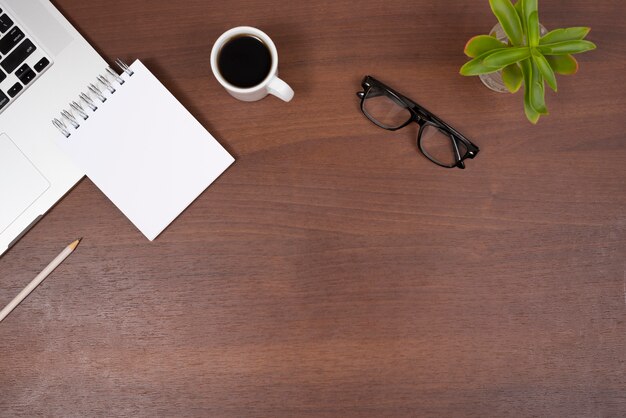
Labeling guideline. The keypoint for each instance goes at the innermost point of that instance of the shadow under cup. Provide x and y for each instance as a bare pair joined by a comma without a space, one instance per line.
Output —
244,61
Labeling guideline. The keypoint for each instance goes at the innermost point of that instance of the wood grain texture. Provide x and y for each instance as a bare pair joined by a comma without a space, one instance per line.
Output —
333,271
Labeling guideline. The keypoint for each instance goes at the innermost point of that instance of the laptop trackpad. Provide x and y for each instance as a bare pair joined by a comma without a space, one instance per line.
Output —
40,22
21,184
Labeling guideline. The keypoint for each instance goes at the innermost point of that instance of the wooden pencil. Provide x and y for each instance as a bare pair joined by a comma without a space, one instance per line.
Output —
40,278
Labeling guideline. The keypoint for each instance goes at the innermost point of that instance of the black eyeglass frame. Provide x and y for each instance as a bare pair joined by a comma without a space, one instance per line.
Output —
423,118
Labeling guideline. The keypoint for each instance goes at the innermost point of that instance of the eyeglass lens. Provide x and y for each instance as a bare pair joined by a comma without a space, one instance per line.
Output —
438,145
384,109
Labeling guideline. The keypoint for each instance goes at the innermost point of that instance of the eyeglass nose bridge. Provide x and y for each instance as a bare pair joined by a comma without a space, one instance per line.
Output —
360,95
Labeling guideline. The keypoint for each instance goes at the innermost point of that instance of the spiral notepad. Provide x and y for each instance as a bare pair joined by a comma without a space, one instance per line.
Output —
140,146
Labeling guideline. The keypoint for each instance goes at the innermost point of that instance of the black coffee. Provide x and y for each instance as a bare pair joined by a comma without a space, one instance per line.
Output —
244,61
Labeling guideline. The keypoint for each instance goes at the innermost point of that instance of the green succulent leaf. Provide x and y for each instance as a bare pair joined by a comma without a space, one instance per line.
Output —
528,8
477,67
501,58
509,20
480,44
544,68
520,12
537,91
512,77
533,29
567,47
562,35
531,114
563,64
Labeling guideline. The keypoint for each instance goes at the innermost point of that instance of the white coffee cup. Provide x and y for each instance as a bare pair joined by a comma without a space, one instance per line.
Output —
270,85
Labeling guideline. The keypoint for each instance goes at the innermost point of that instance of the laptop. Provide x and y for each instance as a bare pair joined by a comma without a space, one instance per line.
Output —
44,65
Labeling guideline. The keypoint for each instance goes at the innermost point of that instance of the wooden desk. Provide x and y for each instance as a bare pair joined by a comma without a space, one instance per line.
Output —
333,271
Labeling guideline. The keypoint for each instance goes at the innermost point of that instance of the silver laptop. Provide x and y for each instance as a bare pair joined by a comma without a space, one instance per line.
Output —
44,65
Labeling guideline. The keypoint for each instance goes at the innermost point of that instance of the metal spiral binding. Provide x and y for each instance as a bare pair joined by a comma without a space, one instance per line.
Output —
80,110
117,78
61,127
70,118
124,67
106,83
97,92
88,102
77,110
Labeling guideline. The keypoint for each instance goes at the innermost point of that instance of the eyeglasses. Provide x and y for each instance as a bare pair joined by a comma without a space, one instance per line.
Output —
438,141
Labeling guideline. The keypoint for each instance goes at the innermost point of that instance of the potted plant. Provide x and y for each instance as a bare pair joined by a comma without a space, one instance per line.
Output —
527,57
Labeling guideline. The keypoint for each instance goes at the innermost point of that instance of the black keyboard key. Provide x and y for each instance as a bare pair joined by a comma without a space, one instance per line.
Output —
28,76
22,70
4,100
25,74
11,39
43,63
5,23
2,76
17,87
18,56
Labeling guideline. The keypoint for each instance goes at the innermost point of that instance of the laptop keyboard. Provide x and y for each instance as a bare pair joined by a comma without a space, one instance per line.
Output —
21,60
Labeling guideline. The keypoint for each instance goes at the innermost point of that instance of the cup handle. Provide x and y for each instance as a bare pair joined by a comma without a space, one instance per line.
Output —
280,89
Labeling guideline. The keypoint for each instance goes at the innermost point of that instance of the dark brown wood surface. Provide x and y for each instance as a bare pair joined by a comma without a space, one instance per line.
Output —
333,271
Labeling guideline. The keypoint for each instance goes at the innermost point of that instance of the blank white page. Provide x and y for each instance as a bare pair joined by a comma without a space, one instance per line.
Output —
146,152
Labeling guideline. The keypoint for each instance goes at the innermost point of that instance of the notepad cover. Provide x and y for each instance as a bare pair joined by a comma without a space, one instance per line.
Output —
146,152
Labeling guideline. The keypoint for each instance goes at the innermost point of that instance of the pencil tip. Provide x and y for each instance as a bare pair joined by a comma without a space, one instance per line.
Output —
75,243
